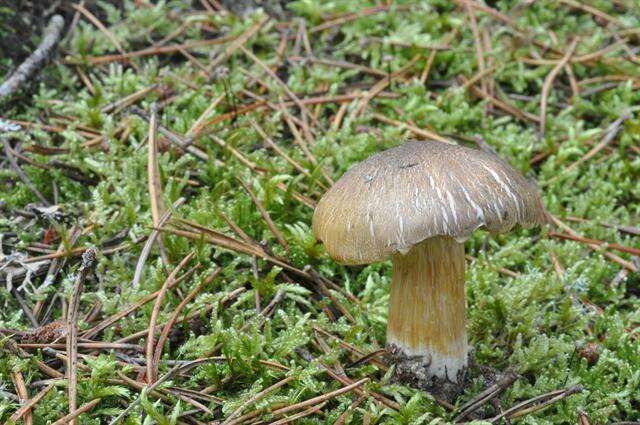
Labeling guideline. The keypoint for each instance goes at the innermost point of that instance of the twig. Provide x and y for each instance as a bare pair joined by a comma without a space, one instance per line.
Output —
321,398
303,110
95,21
235,44
282,153
536,403
149,389
164,335
23,394
348,17
174,138
302,414
88,258
617,247
96,60
133,307
478,44
592,10
382,84
266,217
624,263
198,124
583,419
88,345
152,366
508,108
612,132
345,415
153,169
146,250
71,417
504,382
26,408
25,179
155,183
256,397
430,135
548,82
128,100
344,380
50,38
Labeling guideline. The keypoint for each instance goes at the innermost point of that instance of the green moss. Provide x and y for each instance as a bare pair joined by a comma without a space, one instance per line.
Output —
536,323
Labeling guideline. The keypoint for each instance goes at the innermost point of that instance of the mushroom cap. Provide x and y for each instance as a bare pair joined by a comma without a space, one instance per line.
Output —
404,195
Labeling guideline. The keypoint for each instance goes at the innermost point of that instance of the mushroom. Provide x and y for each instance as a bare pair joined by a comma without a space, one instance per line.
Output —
417,203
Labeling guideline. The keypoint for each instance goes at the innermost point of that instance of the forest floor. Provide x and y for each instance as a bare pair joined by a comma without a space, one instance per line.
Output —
158,178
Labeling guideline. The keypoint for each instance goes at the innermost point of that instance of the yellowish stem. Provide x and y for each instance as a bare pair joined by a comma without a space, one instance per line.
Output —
427,311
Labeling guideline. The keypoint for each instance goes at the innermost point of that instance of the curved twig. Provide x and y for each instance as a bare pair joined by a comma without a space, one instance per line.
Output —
50,38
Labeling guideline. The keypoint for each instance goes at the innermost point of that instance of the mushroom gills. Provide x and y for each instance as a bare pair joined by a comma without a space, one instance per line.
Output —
427,309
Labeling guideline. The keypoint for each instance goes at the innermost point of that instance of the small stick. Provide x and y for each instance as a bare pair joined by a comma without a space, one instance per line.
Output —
152,366
548,82
146,250
128,100
119,315
525,408
195,129
151,51
303,110
345,415
95,21
382,84
164,335
302,414
610,135
583,419
25,179
592,10
155,182
237,43
50,38
471,81
617,247
26,408
321,398
282,153
256,397
153,169
430,135
624,263
478,44
504,382
23,394
88,258
149,389
266,217
71,417
87,345
348,17
174,138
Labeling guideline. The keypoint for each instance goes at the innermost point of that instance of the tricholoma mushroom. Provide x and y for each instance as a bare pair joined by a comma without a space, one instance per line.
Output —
416,204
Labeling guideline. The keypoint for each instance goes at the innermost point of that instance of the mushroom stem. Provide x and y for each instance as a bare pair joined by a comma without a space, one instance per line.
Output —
427,312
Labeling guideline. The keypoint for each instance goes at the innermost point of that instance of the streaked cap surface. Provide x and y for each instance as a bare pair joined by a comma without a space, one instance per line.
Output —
399,197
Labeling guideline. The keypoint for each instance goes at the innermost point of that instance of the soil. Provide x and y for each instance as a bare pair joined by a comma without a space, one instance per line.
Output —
413,371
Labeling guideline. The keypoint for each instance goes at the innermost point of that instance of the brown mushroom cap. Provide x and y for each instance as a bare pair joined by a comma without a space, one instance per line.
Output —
418,190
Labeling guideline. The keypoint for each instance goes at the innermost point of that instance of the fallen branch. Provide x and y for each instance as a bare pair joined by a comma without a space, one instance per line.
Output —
50,38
